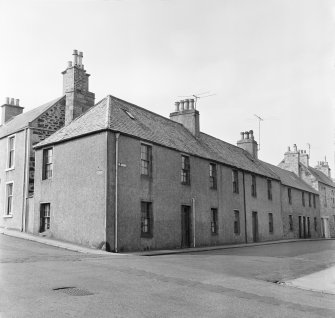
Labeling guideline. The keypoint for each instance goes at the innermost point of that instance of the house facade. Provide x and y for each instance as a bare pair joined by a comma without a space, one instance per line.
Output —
320,179
116,176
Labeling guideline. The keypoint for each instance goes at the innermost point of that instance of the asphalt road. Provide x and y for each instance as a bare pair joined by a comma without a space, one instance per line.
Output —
43,281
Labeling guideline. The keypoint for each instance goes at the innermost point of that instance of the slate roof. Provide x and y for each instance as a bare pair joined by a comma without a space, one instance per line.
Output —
21,121
290,179
321,177
111,113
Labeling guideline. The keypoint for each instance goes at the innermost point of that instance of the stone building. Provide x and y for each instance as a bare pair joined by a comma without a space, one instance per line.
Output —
320,179
117,176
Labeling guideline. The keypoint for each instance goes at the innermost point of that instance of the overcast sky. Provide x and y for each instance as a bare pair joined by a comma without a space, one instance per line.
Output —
273,58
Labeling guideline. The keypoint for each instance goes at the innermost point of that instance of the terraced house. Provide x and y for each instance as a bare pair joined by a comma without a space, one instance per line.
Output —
320,179
120,177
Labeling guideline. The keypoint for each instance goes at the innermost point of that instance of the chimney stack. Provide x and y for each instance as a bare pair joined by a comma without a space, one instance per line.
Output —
323,166
10,109
187,115
248,143
75,86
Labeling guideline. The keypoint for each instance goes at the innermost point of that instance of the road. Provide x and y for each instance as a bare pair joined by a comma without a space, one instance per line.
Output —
238,282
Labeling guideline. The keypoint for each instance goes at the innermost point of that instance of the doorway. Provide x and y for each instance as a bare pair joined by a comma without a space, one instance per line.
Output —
185,226
254,227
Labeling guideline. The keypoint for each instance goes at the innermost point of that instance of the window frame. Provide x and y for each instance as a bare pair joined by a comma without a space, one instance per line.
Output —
315,224
213,176
214,221
44,218
237,226
185,176
146,219
309,199
271,227
253,186
314,201
269,188
289,195
235,182
303,198
8,213
10,160
147,160
47,167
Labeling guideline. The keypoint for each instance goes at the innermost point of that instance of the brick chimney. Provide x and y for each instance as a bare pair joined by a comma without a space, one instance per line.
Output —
186,114
248,143
10,109
75,87
291,160
304,158
323,166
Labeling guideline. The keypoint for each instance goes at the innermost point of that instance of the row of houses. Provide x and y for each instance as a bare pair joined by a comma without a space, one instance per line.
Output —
117,176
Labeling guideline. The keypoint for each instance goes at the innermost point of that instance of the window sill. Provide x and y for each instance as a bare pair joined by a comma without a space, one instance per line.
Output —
49,179
7,216
184,183
9,169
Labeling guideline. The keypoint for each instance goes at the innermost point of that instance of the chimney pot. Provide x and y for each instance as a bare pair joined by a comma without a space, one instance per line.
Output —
251,132
181,105
7,100
192,103
295,148
69,64
80,58
247,135
242,135
12,101
17,102
288,149
177,106
75,57
187,104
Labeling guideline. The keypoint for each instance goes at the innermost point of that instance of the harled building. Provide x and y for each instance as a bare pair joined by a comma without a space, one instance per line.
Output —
117,176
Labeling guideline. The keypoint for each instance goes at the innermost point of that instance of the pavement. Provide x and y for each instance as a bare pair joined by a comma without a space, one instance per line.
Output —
82,249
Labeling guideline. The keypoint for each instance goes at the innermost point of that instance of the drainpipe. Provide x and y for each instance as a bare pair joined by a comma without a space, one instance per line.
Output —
117,135
193,209
245,211
24,205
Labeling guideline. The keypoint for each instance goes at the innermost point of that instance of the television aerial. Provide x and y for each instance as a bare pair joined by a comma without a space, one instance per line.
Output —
198,96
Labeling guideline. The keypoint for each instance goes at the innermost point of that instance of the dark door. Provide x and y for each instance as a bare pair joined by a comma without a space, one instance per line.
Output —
254,226
300,227
304,226
185,226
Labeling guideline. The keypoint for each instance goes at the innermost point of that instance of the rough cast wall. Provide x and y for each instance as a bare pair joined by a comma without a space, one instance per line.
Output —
167,194
76,192
16,175
296,209
49,122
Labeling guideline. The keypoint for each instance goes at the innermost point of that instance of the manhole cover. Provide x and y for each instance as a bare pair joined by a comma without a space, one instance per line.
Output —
73,291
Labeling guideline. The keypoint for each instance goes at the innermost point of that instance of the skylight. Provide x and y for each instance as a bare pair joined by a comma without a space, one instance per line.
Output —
129,113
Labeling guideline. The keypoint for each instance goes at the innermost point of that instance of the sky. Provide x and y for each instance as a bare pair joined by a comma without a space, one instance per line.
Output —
271,58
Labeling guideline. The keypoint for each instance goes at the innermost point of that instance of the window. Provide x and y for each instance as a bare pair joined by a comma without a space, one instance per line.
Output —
303,198
236,222
290,222
308,227
44,217
269,189
212,176
11,152
289,195
270,223
309,199
47,164
146,160
315,224
146,219
185,170
9,198
235,181
253,186
314,201
214,221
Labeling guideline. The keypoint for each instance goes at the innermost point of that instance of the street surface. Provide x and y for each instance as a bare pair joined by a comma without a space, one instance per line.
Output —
44,281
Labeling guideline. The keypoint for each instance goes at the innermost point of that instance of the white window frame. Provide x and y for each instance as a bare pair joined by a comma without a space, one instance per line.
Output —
6,214
8,168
